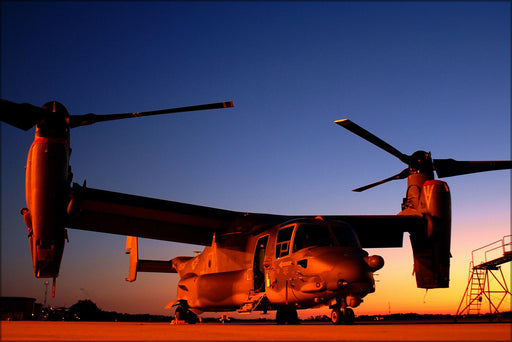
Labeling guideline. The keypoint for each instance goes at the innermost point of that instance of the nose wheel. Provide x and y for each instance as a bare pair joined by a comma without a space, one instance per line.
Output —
342,316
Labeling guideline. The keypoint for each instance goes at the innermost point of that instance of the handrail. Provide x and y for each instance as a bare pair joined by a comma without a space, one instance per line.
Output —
502,245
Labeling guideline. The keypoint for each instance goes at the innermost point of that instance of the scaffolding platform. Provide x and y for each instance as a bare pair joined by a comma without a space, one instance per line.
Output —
485,266
493,264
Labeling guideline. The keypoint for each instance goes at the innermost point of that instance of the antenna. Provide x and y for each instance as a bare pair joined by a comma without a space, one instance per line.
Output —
45,292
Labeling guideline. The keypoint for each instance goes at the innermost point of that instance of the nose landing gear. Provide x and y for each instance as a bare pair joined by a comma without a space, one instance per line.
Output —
341,314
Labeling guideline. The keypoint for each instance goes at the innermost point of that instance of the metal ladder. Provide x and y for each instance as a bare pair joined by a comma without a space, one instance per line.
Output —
476,287
252,303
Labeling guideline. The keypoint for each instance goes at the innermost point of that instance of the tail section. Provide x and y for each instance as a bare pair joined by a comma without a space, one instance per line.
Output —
136,265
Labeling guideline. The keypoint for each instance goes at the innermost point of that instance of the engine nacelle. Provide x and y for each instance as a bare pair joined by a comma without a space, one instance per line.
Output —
47,196
431,248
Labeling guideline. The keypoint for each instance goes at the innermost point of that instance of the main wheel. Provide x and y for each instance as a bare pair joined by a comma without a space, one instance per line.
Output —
281,316
287,315
191,317
293,317
180,314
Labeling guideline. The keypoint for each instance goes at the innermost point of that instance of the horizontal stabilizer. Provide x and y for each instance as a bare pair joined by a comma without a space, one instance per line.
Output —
136,265
156,266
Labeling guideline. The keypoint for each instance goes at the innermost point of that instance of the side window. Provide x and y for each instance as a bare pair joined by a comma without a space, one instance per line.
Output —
283,242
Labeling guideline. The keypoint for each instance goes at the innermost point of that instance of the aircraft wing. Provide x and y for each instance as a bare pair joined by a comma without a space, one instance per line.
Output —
117,213
123,214
382,231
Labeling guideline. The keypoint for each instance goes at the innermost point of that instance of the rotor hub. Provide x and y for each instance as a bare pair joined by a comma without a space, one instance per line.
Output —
56,124
421,162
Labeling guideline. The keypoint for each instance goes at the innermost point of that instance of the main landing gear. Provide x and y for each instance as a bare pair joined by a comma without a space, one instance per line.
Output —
287,315
184,314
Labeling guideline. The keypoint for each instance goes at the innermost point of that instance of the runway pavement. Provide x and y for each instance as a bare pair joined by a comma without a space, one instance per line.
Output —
107,331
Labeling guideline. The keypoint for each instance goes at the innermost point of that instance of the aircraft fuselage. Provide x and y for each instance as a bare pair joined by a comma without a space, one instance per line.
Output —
304,263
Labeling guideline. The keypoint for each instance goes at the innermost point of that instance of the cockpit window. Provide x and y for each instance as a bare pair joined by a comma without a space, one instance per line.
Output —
309,235
345,236
283,241
316,235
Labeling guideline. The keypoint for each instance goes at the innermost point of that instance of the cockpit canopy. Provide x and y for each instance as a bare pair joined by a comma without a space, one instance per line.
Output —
314,233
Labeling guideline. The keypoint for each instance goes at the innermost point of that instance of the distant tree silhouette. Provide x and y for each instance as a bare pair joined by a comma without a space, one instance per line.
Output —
86,310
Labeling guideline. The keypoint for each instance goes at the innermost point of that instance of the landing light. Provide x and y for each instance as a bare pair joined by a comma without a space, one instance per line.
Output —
342,283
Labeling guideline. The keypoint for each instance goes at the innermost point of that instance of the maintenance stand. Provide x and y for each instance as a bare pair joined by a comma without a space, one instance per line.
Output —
479,283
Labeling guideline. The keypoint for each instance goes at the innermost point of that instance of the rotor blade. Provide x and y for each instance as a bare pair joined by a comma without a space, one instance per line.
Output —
89,119
401,175
451,167
21,115
356,129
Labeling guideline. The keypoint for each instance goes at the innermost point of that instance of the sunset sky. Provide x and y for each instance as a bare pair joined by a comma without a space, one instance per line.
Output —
431,76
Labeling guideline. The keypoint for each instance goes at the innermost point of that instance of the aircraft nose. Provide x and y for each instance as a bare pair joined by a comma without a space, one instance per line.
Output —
347,271
342,271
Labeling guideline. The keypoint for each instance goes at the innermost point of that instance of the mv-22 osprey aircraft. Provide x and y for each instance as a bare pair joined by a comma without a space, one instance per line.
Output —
251,261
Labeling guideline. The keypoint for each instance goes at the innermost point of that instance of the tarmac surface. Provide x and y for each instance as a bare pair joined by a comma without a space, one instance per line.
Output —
375,331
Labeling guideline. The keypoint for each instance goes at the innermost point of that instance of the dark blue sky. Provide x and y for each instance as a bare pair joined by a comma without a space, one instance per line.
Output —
421,75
